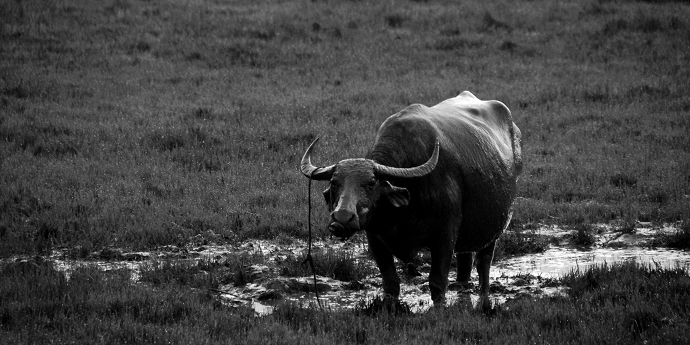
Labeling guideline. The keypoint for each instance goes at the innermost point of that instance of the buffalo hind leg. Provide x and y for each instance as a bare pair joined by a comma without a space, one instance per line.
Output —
384,260
464,263
484,258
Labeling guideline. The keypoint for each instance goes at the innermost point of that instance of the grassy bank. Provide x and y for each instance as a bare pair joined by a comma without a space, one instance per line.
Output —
141,123
618,304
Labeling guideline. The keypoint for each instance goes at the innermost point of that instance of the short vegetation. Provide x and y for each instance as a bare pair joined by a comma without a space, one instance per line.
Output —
328,263
680,239
205,273
520,242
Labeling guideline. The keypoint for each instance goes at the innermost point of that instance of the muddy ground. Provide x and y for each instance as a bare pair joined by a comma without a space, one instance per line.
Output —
533,274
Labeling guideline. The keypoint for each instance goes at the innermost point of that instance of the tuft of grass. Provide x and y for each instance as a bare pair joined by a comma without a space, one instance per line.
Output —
628,226
643,23
394,20
203,273
680,239
520,242
329,263
493,24
621,283
585,235
623,180
194,274
44,139
456,43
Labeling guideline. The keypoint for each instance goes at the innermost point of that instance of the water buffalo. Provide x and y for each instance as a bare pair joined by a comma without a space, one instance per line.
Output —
440,177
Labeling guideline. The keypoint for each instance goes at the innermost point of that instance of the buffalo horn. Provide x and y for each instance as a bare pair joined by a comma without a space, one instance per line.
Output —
310,170
383,171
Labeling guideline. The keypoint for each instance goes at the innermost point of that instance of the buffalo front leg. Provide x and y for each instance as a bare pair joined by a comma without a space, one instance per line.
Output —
441,256
484,258
384,260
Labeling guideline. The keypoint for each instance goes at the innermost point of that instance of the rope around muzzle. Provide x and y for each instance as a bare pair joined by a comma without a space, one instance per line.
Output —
309,258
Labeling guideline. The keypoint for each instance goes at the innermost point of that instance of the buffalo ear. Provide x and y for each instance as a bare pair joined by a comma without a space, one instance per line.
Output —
397,196
327,196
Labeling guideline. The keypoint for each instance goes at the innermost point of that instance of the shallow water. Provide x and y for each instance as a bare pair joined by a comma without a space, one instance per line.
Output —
558,260
527,274
532,274
68,266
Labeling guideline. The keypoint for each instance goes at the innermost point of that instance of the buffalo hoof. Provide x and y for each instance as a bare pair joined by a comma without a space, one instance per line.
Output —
439,302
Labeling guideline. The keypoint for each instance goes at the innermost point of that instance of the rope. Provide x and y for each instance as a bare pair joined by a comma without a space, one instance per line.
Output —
309,258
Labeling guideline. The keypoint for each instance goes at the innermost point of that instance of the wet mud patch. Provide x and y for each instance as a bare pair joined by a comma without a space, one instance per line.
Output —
263,274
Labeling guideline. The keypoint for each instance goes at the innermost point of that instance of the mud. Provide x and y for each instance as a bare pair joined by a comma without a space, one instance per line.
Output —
531,274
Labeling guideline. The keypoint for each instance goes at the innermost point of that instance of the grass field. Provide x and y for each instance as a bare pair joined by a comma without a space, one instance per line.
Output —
141,123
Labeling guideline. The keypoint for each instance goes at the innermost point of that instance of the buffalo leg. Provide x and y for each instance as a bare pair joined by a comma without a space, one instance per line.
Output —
464,263
484,258
441,256
384,260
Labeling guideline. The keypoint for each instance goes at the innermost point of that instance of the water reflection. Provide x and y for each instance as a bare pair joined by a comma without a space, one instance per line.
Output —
558,260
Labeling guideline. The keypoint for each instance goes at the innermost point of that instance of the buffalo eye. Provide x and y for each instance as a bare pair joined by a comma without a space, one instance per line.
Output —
370,185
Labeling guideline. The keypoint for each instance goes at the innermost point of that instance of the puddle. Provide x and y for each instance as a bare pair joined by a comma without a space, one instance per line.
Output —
68,266
532,274
557,261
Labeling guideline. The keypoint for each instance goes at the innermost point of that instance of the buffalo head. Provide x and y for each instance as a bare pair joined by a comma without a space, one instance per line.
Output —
358,185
